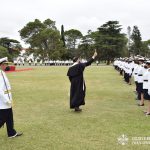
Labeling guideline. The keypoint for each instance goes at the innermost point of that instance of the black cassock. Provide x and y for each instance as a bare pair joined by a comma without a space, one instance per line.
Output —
78,88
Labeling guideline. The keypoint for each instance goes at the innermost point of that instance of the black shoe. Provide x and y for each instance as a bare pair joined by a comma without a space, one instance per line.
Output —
78,109
16,135
140,105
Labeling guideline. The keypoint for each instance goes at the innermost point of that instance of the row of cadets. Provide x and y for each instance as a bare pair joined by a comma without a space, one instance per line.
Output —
121,65
125,67
128,67
19,62
117,64
58,63
145,88
63,63
142,81
141,74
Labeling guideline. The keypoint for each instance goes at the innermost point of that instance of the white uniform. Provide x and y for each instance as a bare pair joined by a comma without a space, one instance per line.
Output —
35,62
41,62
29,62
23,62
130,68
141,71
146,79
18,63
5,92
135,72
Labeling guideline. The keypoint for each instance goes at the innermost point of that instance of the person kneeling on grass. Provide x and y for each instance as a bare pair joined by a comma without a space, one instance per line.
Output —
78,88
6,113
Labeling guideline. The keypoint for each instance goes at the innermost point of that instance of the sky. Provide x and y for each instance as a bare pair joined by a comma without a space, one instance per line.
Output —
74,14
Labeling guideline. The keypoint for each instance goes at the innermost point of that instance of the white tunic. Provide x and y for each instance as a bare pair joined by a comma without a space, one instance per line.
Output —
135,72
141,71
130,68
149,81
145,79
5,92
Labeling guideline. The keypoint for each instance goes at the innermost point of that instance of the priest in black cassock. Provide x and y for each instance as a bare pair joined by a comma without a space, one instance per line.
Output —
78,88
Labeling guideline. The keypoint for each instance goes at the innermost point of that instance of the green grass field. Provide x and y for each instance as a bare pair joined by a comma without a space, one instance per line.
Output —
41,112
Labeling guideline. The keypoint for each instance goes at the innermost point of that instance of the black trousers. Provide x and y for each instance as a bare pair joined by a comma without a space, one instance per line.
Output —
139,90
136,85
146,95
6,116
121,72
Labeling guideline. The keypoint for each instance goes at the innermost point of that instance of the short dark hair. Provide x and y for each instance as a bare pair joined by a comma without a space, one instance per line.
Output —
75,59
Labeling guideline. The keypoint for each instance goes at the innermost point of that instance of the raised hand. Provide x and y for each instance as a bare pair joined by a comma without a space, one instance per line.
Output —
95,54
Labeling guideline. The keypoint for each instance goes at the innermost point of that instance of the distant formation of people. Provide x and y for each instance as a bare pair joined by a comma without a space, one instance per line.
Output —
38,61
138,68
45,62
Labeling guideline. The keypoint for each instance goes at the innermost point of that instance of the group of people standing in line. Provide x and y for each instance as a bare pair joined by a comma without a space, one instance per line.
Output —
138,68
46,62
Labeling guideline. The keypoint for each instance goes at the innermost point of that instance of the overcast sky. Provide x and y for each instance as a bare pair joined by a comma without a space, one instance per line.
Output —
78,14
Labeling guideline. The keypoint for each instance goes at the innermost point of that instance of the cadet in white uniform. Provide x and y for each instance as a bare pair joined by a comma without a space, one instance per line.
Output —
130,70
35,62
135,72
147,91
6,113
41,62
23,62
30,62
140,72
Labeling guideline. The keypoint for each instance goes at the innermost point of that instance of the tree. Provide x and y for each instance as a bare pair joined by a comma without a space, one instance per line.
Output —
10,47
129,39
145,48
86,45
44,38
109,41
63,36
136,47
3,52
72,38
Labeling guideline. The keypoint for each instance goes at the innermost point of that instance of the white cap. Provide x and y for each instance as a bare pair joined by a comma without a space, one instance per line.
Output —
142,59
3,59
148,62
